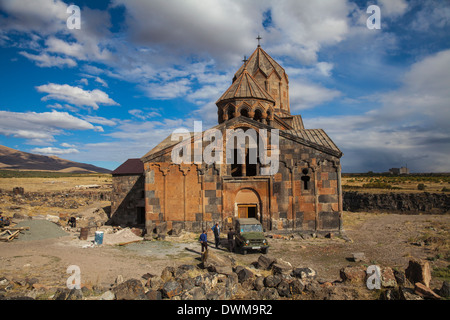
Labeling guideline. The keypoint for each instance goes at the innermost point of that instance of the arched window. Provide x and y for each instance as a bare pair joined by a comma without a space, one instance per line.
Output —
305,179
258,115
230,112
244,112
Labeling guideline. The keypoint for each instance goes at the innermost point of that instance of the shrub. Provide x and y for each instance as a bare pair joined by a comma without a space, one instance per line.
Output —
421,186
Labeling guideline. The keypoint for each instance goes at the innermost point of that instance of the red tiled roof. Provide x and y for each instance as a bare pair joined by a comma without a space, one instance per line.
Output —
131,166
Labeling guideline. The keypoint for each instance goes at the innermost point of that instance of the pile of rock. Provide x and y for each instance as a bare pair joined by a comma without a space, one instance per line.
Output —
218,277
411,284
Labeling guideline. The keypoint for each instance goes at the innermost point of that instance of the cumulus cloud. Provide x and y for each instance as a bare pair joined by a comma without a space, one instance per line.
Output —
75,95
40,127
410,126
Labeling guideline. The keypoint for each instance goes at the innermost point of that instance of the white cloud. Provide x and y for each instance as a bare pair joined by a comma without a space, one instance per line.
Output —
167,90
306,95
411,125
67,145
393,8
40,127
75,95
54,151
46,60
100,120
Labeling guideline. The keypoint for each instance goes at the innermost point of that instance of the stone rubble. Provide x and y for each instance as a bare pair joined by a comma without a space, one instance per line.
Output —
220,278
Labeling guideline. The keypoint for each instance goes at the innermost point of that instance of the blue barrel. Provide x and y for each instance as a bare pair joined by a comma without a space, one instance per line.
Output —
98,237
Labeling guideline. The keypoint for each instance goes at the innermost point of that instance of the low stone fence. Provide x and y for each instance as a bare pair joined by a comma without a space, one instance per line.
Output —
413,203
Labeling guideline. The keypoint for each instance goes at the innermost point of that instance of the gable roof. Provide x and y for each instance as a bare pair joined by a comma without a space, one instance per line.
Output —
130,167
314,138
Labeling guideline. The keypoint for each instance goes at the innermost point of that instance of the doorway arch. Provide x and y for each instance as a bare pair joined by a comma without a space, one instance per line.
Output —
247,204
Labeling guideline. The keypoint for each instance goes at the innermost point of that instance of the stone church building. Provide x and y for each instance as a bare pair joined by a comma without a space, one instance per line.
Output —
304,194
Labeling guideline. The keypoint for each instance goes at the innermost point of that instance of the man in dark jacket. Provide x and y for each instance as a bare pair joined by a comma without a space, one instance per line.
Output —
230,240
216,231
204,241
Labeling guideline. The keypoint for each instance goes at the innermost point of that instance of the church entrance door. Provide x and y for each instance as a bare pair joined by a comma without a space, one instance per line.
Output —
247,211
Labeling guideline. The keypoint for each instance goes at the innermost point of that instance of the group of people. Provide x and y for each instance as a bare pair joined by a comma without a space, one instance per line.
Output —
216,231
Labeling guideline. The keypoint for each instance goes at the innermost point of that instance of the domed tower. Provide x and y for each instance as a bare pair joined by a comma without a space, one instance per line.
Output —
260,81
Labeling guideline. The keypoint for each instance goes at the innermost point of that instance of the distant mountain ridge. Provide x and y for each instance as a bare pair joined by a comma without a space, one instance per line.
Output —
11,159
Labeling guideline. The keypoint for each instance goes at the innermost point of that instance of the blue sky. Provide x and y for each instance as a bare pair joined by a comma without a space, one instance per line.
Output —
137,70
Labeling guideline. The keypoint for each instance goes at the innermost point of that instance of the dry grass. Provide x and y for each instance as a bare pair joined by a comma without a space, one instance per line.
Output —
404,184
53,184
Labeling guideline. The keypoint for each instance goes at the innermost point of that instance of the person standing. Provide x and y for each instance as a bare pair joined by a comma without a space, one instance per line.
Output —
216,231
230,237
204,241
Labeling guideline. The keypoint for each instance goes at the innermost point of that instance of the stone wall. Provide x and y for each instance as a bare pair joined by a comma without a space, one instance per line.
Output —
127,197
433,203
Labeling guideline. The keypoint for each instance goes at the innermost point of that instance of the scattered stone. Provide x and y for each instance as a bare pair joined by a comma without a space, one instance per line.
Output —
283,289
245,275
108,295
264,262
388,278
154,295
304,273
269,294
358,256
425,291
353,274
129,290
296,286
171,289
418,271
281,267
445,290
272,281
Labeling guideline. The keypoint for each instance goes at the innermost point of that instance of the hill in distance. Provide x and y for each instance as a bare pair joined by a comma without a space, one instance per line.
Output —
11,159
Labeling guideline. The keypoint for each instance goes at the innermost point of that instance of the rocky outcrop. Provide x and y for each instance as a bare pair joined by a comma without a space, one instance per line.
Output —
428,203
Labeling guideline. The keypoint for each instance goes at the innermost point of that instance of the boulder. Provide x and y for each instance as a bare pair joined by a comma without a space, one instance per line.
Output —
167,273
264,262
131,289
358,257
171,289
281,267
272,281
445,290
161,228
425,291
269,294
258,284
304,273
245,275
108,295
353,274
296,286
154,295
388,278
284,289
418,271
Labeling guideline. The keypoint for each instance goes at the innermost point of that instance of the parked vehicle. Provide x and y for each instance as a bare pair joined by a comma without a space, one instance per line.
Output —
250,236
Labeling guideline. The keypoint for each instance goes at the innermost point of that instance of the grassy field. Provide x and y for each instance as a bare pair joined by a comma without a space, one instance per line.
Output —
377,183
44,181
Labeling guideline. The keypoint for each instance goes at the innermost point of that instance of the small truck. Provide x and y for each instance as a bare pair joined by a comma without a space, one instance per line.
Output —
250,236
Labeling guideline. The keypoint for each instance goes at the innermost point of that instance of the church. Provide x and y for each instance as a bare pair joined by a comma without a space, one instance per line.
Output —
302,194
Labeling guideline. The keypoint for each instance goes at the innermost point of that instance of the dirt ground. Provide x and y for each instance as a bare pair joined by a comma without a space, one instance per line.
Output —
386,240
